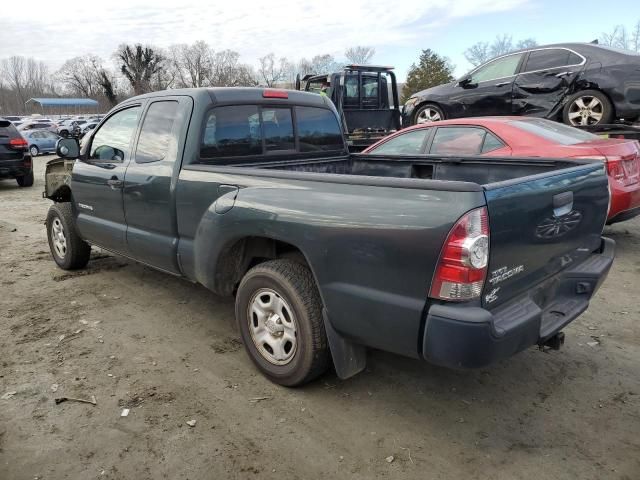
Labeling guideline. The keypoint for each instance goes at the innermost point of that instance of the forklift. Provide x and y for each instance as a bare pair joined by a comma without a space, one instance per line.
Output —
366,97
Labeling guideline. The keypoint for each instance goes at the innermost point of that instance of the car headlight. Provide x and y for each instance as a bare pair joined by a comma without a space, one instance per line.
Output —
411,102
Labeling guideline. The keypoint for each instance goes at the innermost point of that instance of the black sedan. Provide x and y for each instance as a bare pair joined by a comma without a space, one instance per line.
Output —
578,83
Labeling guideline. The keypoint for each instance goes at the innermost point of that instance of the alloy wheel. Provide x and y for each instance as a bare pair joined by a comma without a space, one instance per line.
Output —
428,115
586,110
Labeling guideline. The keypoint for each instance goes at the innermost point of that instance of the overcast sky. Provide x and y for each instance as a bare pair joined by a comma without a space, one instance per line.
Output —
53,31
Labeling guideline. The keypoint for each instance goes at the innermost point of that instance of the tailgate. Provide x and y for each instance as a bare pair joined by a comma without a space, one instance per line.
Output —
540,225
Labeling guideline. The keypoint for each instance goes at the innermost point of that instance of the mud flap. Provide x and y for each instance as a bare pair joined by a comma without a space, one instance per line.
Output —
348,358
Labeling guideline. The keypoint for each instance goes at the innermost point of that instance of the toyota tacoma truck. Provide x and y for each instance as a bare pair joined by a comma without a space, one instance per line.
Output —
459,261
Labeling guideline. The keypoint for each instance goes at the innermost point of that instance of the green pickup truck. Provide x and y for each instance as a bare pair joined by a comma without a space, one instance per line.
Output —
460,261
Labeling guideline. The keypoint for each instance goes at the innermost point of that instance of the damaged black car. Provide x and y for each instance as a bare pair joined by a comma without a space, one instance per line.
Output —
577,83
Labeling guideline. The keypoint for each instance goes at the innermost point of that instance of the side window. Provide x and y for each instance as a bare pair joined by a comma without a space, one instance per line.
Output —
155,133
458,141
500,68
111,142
491,143
318,130
277,128
545,59
409,143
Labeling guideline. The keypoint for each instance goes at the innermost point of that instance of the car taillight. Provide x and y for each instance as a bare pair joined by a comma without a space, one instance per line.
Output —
18,144
623,170
462,267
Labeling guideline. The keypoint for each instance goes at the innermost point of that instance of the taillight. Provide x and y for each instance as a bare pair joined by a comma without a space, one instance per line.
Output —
462,267
623,170
18,144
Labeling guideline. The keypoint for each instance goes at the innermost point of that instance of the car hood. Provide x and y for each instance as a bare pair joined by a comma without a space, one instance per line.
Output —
436,91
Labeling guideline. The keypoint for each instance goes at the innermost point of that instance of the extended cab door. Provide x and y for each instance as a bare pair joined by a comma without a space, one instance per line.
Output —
488,89
149,184
98,178
544,81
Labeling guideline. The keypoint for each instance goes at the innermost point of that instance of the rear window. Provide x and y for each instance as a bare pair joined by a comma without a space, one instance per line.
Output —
7,129
243,130
318,130
554,131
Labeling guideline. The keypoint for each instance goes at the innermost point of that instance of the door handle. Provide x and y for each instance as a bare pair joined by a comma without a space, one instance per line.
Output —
502,84
114,183
563,74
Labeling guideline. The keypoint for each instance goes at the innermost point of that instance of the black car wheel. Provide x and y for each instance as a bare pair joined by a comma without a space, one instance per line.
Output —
69,251
428,113
588,107
34,151
25,180
279,314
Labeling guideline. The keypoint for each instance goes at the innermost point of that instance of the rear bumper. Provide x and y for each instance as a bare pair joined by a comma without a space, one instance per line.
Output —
471,336
625,203
15,168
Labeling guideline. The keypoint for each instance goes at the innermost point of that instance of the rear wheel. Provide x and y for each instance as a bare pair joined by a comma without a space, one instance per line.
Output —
69,251
588,107
34,151
428,113
279,314
25,180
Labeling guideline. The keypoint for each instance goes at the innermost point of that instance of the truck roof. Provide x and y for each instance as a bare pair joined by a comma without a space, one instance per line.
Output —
240,95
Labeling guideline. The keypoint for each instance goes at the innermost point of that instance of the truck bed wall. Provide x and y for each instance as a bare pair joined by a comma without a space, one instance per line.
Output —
479,170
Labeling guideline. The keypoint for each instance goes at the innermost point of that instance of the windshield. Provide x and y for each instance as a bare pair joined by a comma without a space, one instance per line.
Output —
554,131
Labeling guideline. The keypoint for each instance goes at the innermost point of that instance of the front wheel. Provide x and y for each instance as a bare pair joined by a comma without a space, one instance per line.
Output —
279,314
69,251
428,113
34,151
588,107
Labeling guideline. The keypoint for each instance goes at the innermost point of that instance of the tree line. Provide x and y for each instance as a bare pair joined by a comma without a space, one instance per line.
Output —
136,69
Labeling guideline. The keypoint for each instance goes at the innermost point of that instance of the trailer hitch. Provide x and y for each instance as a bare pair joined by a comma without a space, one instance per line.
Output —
552,343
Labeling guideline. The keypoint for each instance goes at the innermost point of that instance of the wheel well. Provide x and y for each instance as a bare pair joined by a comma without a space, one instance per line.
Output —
62,194
237,258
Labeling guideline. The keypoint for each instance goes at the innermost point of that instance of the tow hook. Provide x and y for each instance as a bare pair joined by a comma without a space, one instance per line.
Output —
552,343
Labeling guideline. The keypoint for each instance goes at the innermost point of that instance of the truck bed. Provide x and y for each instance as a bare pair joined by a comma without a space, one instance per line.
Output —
478,170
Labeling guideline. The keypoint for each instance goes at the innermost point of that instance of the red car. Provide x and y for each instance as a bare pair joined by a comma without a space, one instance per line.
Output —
526,137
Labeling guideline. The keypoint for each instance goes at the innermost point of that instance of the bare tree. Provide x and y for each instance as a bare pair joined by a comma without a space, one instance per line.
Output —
501,45
191,63
359,55
79,75
478,53
271,70
139,65
325,64
635,37
227,71
14,71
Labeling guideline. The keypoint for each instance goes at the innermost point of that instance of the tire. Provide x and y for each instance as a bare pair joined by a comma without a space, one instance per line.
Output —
25,180
34,150
587,107
428,113
285,293
76,252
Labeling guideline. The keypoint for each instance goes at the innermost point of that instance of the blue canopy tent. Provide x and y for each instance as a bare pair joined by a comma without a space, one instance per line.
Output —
64,105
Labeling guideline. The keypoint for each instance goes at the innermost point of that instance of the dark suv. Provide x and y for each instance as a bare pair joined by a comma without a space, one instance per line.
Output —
15,161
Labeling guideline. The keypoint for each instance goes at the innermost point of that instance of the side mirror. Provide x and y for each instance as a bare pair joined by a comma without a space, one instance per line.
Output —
68,148
465,82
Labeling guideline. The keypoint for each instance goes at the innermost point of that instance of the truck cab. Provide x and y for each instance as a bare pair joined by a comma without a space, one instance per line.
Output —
366,98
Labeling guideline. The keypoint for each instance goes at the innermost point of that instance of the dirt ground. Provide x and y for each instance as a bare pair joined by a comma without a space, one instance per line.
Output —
168,350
